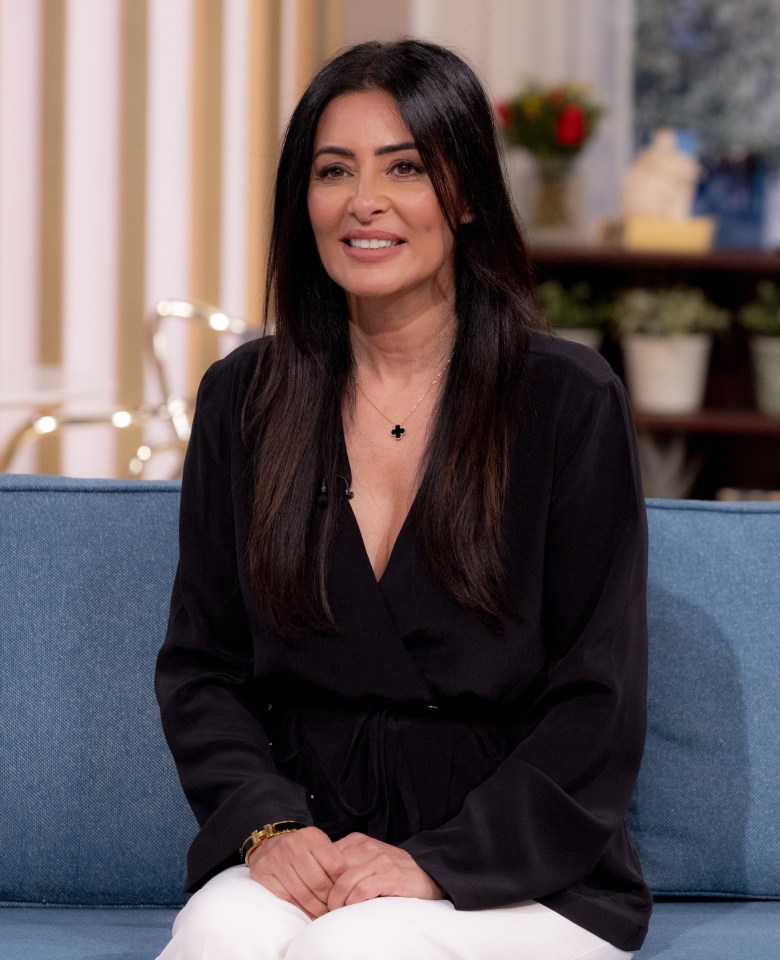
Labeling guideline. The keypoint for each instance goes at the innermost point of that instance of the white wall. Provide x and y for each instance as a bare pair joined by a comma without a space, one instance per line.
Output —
19,201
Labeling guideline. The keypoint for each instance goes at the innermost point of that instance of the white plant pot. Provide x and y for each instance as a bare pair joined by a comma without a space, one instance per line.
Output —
766,364
587,336
667,374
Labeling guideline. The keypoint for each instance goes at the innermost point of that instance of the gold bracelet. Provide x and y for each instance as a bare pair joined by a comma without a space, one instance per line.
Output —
258,837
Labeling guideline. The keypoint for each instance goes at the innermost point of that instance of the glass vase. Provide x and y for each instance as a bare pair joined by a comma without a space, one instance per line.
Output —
553,208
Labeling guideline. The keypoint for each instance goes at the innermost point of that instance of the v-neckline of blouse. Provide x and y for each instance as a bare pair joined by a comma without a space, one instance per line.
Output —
346,468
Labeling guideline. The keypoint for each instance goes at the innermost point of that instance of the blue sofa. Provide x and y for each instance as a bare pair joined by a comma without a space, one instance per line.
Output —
93,825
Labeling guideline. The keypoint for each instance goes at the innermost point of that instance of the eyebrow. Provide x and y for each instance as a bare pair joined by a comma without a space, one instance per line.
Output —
379,152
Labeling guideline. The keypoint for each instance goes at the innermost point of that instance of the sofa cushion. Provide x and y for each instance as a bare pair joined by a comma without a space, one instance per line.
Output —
93,811
713,931
79,933
705,810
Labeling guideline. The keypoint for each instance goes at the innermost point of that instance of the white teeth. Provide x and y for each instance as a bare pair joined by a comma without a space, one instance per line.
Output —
372,244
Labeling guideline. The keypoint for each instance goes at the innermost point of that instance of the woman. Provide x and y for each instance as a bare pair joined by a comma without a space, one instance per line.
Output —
404,678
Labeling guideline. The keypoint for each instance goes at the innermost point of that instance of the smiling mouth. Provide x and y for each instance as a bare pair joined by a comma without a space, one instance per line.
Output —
374,244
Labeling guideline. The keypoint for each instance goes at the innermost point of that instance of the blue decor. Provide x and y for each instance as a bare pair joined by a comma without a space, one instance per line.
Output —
735,193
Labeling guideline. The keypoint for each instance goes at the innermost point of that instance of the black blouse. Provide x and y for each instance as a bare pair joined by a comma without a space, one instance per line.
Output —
503,762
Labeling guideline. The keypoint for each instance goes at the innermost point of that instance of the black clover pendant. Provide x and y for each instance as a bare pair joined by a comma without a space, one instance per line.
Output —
397,431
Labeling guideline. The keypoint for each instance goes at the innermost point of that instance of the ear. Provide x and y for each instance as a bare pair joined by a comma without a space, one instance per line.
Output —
467,216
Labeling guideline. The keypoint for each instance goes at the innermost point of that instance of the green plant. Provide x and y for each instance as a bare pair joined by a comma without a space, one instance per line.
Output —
570,307
762,315
551,122
666,312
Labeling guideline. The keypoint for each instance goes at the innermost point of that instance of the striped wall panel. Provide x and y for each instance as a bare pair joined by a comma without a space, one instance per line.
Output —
138,140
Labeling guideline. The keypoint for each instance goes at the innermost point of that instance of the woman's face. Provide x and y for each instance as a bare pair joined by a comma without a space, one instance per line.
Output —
379,228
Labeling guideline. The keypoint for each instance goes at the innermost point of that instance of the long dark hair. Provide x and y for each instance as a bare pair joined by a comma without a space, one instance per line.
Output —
294,408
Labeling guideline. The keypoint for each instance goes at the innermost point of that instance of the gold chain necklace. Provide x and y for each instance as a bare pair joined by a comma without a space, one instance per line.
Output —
398,428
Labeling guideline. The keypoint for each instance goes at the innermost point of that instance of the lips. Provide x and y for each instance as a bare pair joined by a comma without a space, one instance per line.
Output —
371,245
371,239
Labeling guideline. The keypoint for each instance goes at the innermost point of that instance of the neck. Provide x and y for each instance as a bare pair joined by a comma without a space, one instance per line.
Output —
390,346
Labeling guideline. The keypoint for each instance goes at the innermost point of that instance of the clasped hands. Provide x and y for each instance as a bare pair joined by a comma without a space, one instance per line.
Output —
311,871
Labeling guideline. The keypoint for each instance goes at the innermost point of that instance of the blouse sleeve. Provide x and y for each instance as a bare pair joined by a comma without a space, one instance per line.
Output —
212,711
543,820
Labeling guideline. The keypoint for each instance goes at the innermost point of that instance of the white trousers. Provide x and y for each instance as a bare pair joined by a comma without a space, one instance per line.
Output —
234,918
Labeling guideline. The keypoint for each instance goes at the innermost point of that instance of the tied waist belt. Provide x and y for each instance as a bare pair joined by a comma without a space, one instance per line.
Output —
457,712
386,769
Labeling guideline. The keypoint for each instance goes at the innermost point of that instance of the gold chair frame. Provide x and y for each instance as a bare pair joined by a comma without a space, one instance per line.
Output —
174,410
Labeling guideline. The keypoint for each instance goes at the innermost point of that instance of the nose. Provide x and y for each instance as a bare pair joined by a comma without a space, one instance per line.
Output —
367,199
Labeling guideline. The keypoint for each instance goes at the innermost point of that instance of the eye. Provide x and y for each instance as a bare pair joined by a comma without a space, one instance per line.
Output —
406,169
334,171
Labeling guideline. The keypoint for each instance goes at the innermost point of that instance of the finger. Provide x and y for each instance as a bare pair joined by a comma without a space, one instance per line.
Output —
394,883
357,848
294,863
390,874
343,888
369,888
314,877
310,850
288,886
309,901
312,842
355,841
278,890
327,856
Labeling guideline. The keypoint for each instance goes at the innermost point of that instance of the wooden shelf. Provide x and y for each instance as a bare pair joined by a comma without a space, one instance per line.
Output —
729,277
734,423
615,258
731,443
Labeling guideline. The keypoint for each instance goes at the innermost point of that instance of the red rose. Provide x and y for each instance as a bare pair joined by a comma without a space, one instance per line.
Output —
570,127
502,112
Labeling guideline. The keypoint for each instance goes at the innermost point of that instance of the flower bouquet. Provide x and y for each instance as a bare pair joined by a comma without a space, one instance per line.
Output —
553,124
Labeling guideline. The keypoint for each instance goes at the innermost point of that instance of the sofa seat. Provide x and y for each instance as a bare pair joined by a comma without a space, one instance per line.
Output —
733,929
83,933
740,930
